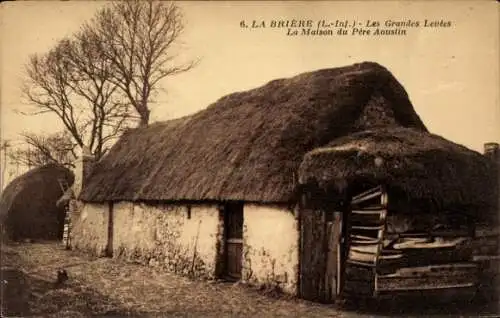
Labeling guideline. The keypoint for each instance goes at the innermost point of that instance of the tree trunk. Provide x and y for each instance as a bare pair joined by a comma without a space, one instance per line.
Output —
144,118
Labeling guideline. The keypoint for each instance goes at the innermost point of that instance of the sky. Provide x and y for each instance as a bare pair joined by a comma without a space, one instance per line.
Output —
450,73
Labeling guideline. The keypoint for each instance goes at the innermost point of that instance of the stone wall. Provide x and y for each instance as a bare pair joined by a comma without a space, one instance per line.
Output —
270,248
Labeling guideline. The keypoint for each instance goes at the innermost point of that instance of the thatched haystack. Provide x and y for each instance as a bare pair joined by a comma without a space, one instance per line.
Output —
414,165
28,204
248,145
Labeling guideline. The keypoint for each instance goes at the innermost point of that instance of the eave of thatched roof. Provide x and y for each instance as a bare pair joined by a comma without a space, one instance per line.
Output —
248,145
416,164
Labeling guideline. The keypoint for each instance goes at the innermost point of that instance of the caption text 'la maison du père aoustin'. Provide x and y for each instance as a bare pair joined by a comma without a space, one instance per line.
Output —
342,27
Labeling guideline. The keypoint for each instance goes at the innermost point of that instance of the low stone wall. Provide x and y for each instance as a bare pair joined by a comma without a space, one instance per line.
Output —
270,251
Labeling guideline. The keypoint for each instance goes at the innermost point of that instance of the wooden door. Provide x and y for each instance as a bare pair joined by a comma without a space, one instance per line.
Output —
233,215
109,247
320,257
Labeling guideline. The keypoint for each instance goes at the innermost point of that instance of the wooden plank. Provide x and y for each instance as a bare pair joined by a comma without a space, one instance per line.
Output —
365,242
436,244
322,256
361,257
480,258
360,200
374,228
419,286
314,251
455,269
305,275
404,235
370,257
361,239
321,274
364,238
364,249
339,221
424,283
355,262
330,268
376,190
384,199
368,207
432,233
366,212
333,265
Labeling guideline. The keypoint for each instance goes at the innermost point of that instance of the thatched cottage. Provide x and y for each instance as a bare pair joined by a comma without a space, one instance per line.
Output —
231,191
28,207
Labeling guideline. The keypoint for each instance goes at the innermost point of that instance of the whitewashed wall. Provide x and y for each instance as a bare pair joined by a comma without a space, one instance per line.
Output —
270,249
165,235
90,227
162,235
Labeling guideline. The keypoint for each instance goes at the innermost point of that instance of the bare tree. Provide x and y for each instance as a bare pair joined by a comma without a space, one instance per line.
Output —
138,39
72,82
39,150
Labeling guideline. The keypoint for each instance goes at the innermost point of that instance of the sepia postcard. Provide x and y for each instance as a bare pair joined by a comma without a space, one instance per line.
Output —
249,158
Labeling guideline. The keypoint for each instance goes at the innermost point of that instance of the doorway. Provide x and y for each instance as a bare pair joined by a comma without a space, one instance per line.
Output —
320,254
233,224
109,246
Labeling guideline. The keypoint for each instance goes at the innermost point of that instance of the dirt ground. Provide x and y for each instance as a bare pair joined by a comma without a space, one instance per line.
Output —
109,287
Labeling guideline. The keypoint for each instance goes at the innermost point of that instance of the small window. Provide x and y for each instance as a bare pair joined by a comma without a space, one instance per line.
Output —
189,212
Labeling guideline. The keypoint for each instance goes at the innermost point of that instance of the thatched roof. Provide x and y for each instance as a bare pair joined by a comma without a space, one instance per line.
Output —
248,145
414,164
28,204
